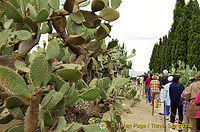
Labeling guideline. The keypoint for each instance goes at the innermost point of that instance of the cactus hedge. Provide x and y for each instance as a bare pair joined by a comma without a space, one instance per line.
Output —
61,83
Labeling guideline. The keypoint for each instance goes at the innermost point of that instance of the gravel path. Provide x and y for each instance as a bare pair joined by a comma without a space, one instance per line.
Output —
140,118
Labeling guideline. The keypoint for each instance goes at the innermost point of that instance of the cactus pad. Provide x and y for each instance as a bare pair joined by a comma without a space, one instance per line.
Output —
49,72
54,4
8,23
106,2
65,88
21,66
30,22
13,102
52,50
120,81
48,120
112,44
91,19
72,66
115,3
11,11
77,39
17,113
69,74
103,83
97,5
33,13
84,4
4,36
47,98
69,5
16,128
6,119
2,108
90,94
61,124
118,106
109,14
13,83
57,97
93,45
22,34
43,4
45,28
77,17
72,99
93,82
42,16
102,32
38,70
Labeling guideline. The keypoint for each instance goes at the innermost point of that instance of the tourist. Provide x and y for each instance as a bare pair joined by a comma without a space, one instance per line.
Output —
163,82
138,81
175,91
197,102
166,96
141,84
144,80
155,90
190,95
185,106
147,90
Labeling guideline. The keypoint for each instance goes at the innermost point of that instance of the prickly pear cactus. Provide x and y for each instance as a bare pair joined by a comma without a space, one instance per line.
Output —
76,66
90,94
69,74
13,83
38,70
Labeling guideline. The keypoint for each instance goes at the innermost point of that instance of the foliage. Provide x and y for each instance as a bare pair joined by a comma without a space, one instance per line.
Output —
184,71
182,42
74,76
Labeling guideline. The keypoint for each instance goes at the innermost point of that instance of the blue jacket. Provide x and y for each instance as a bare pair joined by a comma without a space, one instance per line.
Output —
175,91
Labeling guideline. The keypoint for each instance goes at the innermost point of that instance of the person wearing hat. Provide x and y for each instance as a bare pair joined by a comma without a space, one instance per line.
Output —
166,96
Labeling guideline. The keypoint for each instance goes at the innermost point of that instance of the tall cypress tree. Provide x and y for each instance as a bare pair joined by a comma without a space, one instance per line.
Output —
193,43
183,40
178,14
155,60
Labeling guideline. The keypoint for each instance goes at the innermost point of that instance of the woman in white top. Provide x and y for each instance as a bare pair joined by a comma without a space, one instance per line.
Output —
166,96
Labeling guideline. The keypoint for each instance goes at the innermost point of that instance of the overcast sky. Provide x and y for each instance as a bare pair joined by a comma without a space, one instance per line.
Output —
141,24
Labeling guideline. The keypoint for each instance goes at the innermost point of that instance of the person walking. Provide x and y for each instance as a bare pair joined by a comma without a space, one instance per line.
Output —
141,82
163,82
147,90
155,90
190,95
166,96
185,106
175,91
138,82
197,102
144,84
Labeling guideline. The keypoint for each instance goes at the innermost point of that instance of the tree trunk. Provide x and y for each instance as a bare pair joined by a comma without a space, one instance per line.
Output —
32,113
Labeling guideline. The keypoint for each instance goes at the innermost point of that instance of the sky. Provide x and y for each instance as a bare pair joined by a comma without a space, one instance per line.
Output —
141,24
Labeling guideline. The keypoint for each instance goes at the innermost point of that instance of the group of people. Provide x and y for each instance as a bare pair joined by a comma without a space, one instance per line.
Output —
174,96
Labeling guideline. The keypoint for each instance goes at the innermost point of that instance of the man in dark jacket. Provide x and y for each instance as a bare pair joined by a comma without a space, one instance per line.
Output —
144,80
175,91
